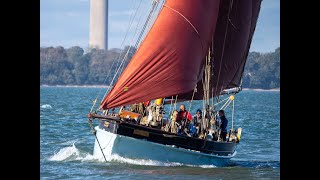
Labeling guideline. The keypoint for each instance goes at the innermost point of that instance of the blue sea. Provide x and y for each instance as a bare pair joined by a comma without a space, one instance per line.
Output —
66,142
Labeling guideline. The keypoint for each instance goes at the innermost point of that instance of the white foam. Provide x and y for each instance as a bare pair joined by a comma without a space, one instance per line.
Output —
207,166
46,106
146,162
73,153
65,153
89,157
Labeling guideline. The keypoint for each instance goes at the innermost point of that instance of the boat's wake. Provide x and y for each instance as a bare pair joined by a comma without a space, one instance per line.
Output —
71,153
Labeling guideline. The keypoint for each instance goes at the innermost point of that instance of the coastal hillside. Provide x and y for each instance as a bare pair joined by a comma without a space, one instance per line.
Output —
74,66
262,70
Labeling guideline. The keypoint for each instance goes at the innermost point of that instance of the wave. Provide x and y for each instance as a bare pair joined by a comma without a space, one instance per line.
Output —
46,106
65,153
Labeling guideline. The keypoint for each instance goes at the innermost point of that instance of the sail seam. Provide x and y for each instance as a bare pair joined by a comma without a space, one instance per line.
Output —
184,18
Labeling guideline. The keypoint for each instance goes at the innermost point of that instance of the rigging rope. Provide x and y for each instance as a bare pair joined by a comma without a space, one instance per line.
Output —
175,103
208,78
125,58
121,66
221,101
226,104
212,94
141,32
94,132
224,43
154,16
170,106
232,115
206,83
94,103
132,16
194,90
130,23
151,13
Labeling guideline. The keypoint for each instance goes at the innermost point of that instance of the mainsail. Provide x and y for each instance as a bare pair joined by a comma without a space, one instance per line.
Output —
170,60
232,39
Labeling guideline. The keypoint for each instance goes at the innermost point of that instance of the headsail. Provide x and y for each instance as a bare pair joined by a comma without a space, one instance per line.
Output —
170,59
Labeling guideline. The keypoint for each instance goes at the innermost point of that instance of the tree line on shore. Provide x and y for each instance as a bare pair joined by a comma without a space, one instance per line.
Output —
74,66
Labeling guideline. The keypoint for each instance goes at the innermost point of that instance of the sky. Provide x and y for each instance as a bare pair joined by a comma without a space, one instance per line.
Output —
66,23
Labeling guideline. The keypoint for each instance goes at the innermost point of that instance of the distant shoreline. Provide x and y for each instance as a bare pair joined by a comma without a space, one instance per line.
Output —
105,86
252,89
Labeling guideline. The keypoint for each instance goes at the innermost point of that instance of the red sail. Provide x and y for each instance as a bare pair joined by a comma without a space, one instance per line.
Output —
232,39
232,42
170,59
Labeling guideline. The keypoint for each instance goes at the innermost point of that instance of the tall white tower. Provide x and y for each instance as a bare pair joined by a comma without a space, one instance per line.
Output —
98,24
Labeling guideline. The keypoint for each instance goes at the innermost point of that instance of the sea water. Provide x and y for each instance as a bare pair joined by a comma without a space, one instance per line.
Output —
66,142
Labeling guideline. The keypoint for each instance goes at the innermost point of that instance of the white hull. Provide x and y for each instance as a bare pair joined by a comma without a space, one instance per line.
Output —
128,147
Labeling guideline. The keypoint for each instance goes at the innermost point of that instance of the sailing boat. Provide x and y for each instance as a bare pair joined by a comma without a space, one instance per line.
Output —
195,50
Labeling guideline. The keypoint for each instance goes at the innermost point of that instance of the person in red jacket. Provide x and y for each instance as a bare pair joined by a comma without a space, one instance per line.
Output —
184,117
183,113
